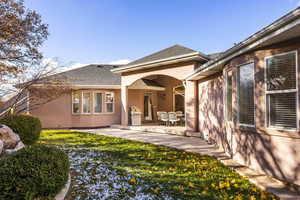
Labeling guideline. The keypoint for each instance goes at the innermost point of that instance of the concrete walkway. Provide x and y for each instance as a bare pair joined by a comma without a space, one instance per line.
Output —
200,146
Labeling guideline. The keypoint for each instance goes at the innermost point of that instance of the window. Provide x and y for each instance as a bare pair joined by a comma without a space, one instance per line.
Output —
109,101
246,94
76,103
86,102
281,90
228,108
97,102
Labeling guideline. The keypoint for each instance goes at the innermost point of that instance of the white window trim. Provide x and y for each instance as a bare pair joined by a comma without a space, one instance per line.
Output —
225,95
91,103
113,103
74,102
267,109
238,100
102,105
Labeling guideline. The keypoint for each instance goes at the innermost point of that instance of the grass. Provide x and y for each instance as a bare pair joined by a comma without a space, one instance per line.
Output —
112,168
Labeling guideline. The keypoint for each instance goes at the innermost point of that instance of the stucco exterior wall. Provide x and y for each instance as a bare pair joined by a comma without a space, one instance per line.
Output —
136,98
161,100
174,75
272,151
58,114
178,71
165,98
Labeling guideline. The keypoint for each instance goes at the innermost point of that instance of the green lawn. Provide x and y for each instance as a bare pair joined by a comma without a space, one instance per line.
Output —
112,168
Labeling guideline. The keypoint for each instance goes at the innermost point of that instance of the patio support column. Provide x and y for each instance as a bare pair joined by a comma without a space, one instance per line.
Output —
124,103
191,106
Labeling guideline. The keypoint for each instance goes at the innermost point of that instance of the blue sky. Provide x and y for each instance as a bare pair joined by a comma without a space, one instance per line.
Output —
102,31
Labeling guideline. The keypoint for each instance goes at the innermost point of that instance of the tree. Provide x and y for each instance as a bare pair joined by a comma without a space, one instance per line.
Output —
22,32
38,85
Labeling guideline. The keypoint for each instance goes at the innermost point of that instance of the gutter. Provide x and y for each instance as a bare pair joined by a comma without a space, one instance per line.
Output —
170,60
85,86
286,19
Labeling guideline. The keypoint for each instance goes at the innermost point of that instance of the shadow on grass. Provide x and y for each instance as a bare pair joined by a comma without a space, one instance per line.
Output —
180,174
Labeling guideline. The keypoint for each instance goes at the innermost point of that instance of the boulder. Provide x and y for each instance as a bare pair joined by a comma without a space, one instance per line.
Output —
19,146
9,138
1,146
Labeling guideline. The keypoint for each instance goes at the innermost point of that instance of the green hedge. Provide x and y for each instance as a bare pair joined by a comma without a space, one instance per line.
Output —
35,172
26,126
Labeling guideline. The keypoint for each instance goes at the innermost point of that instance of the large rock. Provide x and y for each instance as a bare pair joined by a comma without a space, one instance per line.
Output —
19,146
9,138
1,146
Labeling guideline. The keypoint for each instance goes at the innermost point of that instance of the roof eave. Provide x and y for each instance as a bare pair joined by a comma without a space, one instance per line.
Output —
78,86
284,23
171,60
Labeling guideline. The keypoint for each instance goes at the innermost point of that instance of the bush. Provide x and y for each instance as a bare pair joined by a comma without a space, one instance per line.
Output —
26,126
35,172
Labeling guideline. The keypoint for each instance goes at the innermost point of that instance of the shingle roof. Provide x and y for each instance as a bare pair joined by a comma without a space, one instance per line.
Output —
215,55
91,75
176,50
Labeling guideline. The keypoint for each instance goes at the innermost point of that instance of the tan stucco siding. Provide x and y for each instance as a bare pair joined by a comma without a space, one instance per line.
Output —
178,71
170,76
58,114
272,151
161,100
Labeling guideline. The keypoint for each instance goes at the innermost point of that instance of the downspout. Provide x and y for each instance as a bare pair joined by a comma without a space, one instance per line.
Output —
197,106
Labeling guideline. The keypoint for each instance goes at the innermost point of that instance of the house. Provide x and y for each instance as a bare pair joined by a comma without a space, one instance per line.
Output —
94,99
245,99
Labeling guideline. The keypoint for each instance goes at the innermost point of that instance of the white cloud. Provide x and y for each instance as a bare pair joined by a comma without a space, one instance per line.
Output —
58,65
70,67
120,62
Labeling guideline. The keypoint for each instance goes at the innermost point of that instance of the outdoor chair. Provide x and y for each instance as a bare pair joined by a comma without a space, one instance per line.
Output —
181,117
179,112
173,119
164,117
158,113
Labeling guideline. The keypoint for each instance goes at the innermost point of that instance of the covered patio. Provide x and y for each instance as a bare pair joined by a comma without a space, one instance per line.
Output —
154,95
157,83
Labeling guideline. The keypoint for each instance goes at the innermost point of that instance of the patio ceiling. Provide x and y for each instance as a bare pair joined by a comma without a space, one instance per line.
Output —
146,84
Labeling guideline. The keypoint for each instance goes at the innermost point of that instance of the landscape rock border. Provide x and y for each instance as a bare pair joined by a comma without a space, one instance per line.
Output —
63,193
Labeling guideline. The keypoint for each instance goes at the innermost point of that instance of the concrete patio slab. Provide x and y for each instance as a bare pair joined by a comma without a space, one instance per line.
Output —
198,145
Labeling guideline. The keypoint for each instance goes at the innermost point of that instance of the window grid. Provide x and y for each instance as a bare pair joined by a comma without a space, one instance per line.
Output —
238,94
89,103
109,102
284,91
228,116
101,102
76,97
92,102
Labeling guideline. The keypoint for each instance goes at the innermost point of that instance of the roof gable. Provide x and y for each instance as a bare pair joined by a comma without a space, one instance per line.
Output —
90,75
176,50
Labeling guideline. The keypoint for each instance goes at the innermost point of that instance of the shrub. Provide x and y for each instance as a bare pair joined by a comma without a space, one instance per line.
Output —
35,172
26,126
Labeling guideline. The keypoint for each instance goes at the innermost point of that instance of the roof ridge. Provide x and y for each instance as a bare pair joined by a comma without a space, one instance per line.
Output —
84,66
165,50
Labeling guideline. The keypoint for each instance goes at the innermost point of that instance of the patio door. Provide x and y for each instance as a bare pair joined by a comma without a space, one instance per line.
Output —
178,98
148,107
